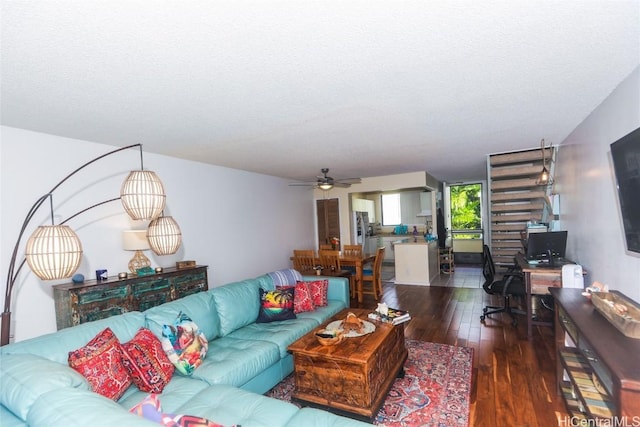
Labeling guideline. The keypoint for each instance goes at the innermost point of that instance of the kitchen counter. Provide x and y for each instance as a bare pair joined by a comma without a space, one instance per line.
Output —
414,241
389,241
416,263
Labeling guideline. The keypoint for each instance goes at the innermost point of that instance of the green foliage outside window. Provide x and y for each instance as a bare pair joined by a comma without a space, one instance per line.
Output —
466,212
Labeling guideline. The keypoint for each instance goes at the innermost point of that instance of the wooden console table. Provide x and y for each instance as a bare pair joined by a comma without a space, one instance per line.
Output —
597,351
78,303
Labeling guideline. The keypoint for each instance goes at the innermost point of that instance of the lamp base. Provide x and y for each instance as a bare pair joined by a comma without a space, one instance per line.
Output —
139,260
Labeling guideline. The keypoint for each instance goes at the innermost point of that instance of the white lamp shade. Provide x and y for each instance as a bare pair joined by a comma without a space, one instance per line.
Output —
164,236
54,252
135,240
142,195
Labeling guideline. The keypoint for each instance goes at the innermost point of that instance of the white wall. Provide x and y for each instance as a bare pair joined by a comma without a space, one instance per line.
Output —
589,207
238,223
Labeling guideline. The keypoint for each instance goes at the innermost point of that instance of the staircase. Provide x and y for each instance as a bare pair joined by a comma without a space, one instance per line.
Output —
515,199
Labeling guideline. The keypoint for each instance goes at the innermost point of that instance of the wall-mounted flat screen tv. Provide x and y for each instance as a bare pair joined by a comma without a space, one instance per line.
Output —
625,153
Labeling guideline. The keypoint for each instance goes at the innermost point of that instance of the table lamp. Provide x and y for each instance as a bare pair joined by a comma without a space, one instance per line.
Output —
136,240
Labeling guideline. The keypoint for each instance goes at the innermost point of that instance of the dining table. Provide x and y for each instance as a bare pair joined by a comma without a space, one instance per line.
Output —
358,262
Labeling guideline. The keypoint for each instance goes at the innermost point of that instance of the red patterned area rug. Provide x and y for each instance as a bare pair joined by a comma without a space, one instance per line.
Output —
434,392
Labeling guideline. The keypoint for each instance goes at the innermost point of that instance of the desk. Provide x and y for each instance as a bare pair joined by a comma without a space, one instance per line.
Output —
538,279
357,263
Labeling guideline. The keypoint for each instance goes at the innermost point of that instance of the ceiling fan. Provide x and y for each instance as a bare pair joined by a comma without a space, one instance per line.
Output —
325,182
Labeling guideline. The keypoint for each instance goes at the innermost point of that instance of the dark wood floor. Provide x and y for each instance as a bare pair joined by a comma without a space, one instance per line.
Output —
513,377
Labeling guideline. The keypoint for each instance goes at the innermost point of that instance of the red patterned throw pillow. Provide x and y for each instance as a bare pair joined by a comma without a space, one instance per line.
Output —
100,362
302,300
319,290
147,363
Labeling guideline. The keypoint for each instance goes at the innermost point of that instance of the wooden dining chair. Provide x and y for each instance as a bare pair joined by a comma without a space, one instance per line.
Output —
373,277
352,250
326,247
329,259
330,262
304,260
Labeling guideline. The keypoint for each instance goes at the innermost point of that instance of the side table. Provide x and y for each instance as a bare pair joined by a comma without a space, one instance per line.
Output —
445,260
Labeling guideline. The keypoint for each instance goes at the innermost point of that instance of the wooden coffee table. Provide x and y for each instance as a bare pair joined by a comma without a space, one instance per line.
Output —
353,377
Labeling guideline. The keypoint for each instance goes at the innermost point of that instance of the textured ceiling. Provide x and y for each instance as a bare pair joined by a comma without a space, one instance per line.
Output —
285,88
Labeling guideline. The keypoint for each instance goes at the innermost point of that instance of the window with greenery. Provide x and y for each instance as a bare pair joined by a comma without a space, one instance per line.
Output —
391,211
466,210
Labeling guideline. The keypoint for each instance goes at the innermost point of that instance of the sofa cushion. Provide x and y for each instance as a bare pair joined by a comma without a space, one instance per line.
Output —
77,407
56,346
311,417
321,314
282,333
276,305
23,380
179,390
148,365
201,309
185,345
237,304
100,362
9,419
230,405
235,362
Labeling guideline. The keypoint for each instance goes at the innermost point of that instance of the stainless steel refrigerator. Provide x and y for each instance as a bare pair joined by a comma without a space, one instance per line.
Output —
361,230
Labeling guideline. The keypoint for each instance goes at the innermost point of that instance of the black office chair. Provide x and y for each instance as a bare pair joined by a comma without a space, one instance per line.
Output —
509,285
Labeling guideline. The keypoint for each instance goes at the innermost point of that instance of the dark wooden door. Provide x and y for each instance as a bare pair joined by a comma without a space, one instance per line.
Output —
328,220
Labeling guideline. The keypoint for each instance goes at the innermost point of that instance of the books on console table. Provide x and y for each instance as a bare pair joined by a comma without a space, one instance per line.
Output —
393,316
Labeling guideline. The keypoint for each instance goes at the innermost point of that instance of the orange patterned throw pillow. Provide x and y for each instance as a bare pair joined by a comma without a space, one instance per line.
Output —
149,367
100,362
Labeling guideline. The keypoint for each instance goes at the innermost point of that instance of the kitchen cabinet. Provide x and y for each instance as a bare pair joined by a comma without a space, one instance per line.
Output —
389,254
365,205
370,209
410,206
374,244
328,214
425,201
78,303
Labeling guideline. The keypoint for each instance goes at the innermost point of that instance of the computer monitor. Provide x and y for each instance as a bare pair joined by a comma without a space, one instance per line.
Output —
547,246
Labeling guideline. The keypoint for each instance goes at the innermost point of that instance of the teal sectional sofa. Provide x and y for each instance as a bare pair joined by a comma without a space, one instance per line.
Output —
244,360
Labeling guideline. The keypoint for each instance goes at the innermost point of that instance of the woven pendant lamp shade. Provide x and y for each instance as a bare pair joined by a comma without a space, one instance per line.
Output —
54,252
142,195
164,236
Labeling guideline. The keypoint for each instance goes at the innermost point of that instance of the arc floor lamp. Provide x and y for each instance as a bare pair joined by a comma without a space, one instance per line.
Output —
55,251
